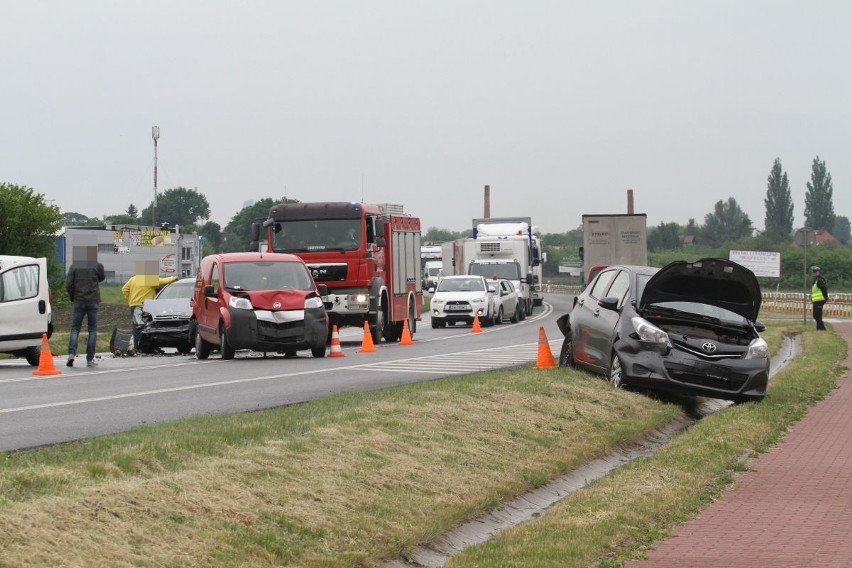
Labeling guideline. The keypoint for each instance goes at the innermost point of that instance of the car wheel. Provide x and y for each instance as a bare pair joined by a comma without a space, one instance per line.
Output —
499,319
616,372
517,315
436,323
184,349
566,354
202,348
225,347
318,351
33,355
522,311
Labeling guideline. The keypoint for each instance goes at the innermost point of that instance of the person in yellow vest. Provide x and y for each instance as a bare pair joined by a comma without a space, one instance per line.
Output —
819,295
142,286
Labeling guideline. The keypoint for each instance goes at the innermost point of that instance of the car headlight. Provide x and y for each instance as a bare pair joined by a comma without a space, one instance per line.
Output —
478,300
239,303
757,349
313,302
650,333
437,301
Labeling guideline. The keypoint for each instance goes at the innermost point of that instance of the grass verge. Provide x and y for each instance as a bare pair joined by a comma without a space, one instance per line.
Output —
619,516
351,479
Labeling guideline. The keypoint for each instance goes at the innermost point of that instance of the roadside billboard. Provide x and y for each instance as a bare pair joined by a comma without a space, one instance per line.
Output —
762,263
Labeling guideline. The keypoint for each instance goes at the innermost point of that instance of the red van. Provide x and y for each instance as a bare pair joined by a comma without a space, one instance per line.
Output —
260,301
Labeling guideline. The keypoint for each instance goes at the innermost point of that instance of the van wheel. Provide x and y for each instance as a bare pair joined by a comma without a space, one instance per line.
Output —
33,355
318,351
202,348
225,347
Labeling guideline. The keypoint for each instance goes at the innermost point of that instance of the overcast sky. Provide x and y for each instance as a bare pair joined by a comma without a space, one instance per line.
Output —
559,106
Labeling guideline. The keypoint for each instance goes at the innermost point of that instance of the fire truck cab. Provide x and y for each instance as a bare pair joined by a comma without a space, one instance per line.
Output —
368,256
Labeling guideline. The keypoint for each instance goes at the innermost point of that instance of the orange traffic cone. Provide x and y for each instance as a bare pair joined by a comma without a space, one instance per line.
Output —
476,327
545,356
406,334
367,343
45,360
335,350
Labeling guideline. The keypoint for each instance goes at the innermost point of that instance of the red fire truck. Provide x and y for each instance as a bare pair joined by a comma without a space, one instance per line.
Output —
367,255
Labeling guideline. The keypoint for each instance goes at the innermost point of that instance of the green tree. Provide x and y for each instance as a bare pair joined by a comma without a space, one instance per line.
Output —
211,232
72,219
842,229
132,211
819,208
178,206
778,224
435,235
238,230
28,225
665,236
728,222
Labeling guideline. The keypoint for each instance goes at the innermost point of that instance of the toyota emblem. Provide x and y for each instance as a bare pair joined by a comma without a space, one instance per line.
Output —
277,306
709,347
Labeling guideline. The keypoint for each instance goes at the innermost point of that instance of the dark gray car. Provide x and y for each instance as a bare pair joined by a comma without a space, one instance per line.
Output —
689,328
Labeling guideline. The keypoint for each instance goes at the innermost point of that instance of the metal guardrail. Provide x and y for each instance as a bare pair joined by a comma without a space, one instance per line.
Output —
839,305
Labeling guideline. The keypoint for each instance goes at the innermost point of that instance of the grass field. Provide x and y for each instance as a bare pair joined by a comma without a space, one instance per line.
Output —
352,479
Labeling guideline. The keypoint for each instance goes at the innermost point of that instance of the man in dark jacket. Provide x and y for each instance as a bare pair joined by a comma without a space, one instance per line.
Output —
83,286
819,295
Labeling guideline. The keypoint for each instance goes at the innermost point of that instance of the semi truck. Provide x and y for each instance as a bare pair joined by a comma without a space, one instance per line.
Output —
367,255
613,239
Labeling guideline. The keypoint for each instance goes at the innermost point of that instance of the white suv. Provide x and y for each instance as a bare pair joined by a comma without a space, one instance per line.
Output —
24,306
460,299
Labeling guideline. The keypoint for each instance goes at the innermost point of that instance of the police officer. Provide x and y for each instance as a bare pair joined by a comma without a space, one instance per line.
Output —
819,295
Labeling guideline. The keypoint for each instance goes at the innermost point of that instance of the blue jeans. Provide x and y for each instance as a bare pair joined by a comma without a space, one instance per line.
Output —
91,313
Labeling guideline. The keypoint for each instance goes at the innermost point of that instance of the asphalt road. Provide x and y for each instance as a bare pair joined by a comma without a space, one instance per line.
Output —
122,393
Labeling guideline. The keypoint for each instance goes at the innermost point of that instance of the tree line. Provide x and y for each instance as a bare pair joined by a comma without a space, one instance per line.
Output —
28,224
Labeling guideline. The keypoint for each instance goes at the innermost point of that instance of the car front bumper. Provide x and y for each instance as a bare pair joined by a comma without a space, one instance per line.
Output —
683,373
290,330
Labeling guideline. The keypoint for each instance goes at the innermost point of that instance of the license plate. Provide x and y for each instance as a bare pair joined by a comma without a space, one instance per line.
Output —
457,308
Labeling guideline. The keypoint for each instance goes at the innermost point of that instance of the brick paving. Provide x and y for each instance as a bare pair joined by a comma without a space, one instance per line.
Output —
792,509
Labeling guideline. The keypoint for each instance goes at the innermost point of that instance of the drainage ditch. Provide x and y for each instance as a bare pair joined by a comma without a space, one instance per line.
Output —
532,504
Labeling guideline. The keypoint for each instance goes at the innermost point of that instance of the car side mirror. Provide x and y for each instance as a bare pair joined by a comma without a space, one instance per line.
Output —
609,303
209,291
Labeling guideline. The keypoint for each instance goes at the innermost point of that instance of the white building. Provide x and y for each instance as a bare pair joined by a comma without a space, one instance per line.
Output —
121,246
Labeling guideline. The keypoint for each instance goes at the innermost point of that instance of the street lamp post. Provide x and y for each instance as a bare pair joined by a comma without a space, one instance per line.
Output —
804,237
155,134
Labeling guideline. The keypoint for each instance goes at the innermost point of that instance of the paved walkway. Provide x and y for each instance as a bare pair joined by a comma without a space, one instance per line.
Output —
793,508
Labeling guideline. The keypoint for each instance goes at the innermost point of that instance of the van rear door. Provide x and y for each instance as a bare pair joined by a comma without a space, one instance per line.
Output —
24,302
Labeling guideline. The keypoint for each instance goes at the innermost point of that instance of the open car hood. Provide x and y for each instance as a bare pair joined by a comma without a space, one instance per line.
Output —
713,281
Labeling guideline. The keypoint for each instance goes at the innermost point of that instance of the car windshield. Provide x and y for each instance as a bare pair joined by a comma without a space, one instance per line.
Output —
261,275
701,311
177,290
460,285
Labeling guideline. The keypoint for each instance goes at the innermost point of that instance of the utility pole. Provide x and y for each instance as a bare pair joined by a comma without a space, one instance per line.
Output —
155,134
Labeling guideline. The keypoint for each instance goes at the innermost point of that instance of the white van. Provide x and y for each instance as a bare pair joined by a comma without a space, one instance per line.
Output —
24,306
